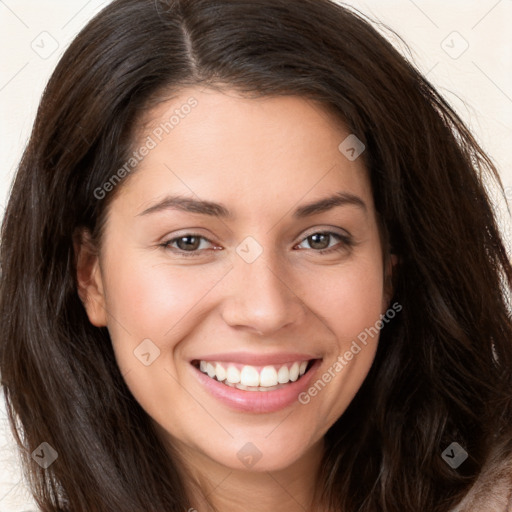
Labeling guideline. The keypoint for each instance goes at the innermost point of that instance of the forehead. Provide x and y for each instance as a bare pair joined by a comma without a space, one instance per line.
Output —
246,152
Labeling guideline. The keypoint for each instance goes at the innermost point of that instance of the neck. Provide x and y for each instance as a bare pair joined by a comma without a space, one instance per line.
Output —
223,489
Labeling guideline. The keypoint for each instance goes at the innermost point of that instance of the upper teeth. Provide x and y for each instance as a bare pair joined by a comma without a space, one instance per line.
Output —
250,375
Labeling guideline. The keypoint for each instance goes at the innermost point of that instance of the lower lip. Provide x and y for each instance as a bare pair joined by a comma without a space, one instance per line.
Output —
258,401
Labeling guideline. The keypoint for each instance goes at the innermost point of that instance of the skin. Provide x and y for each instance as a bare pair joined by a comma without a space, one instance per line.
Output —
262,158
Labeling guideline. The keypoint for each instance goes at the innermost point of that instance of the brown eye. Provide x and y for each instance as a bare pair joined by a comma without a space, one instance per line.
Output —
321,242
190,244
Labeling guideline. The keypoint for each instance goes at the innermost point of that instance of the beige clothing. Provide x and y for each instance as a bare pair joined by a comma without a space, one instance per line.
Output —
492,492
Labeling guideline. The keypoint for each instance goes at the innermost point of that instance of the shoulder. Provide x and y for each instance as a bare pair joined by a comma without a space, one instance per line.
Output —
492,492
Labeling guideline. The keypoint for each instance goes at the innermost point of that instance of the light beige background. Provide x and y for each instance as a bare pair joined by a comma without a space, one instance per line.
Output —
463,46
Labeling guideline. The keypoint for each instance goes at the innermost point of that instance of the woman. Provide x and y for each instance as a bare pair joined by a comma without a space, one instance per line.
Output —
249,262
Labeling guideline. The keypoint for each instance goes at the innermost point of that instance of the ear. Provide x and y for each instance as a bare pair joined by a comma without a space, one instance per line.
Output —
89,279
389,280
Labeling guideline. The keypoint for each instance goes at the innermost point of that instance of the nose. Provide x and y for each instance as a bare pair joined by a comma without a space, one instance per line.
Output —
260,297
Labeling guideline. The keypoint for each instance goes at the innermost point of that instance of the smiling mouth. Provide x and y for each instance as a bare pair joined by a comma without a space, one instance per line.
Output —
254,378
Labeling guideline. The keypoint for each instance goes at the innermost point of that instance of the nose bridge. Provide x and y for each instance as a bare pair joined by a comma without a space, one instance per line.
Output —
260,296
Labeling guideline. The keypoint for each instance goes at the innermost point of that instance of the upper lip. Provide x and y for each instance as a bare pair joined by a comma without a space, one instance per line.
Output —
256,359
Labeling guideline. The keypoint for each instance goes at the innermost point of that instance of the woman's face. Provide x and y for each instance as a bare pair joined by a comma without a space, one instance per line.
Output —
212,260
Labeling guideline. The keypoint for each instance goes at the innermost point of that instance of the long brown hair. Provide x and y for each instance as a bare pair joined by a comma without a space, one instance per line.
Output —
442,372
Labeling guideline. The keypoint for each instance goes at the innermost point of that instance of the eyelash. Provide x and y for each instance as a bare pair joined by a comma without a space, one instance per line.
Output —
346,243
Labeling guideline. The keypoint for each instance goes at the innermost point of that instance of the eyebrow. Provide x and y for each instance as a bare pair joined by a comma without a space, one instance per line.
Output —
187,204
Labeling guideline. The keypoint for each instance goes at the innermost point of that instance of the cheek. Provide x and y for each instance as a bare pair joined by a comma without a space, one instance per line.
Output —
160,302
347,299
349,304
163,303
